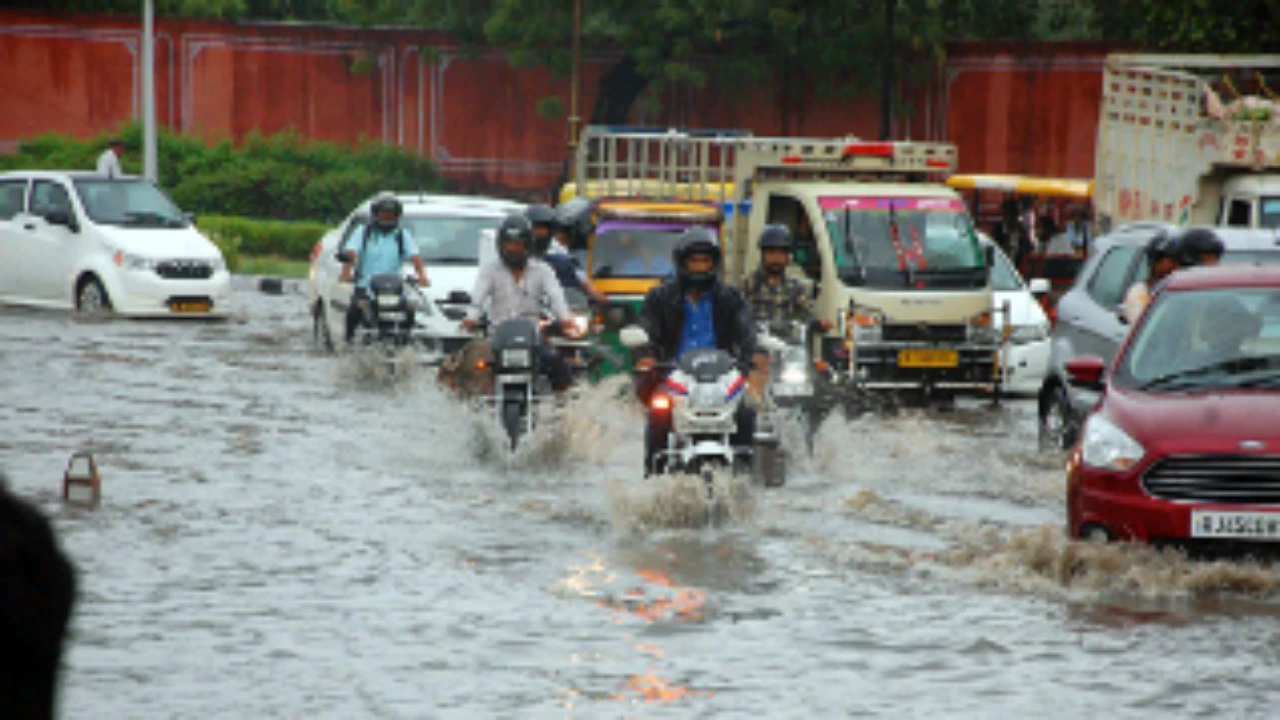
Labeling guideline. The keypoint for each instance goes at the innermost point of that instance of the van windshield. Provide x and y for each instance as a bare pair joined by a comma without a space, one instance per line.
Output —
1270,217
134,203
903,242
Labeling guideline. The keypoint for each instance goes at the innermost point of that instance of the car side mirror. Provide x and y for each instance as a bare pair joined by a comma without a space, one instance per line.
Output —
344,256
989,257
1120,314
1087,371
1039,286
62,217
633,336
190,217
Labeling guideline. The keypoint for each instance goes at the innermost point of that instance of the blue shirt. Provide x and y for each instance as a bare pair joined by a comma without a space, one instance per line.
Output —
699,326
381,255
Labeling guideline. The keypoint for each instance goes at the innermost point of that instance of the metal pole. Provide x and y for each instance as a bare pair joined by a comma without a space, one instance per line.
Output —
886,89
149,91
576,81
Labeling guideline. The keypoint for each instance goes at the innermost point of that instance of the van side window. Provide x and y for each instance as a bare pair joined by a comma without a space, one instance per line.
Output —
789,211
1240,214
12,193
1109,282
47,197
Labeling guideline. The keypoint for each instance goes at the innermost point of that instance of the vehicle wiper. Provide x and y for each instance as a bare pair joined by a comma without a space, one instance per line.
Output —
453,259
1184,377
152,217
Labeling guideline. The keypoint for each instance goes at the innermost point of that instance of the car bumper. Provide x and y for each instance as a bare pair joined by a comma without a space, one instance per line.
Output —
879,367
1025,367
145,294
1117,504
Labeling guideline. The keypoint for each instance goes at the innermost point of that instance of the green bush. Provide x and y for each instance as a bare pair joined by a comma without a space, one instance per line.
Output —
280,177
248,237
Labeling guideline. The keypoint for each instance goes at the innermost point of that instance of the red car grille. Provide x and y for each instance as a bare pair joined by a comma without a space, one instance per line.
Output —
1235,479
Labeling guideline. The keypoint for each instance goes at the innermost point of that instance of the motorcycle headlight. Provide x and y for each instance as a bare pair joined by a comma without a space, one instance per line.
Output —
793,374
1106,447
1023,334
389,301
581,324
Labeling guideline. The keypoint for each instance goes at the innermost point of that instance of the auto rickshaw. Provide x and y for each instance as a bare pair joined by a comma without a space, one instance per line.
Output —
628,252
1061,200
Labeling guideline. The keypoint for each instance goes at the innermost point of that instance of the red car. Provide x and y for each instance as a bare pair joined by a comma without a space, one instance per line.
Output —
1184,444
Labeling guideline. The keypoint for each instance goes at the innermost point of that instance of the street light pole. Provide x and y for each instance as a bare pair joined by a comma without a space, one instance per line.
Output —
576,81
149,91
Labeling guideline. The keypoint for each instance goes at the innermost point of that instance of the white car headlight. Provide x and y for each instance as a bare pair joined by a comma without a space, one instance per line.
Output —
218,264
134,262
1107,447
1024,334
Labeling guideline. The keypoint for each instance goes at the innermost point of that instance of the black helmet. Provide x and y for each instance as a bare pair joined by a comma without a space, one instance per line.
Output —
775,237
1163,245
694,241
384,202
515,227
541,215
1195,243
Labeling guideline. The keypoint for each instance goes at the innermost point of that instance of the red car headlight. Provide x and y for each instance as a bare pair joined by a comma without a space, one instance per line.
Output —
1106,446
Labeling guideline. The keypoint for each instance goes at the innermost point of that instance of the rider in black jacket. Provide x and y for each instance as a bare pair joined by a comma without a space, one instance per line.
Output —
691,311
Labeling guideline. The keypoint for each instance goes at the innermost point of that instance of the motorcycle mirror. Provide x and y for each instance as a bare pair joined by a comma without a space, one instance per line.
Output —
344,256
460,297
633,336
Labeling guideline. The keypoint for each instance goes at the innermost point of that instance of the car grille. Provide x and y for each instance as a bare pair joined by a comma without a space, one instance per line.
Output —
184,269
1237,479
924,333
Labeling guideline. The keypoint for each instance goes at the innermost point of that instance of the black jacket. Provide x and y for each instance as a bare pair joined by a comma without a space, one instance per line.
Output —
662,317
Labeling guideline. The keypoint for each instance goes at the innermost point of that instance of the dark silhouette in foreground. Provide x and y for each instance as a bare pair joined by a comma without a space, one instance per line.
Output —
37,591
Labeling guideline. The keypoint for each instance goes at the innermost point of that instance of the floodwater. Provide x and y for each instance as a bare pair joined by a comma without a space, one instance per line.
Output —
287,534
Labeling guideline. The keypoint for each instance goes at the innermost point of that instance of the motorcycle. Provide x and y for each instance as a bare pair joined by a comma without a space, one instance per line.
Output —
793,379
388,315
703,392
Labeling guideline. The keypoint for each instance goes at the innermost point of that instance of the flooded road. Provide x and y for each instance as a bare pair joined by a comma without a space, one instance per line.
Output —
283,535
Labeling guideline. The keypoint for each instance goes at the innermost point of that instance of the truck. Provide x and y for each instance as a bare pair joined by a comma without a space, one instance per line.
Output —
1169,150
889,250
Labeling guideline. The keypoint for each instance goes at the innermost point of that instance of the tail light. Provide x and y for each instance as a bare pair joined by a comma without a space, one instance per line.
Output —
660,402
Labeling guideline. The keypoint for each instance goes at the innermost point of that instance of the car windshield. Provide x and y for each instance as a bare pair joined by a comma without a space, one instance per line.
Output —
449,240
1230,257
1270,217
633,252
132,203
904,242
1226,337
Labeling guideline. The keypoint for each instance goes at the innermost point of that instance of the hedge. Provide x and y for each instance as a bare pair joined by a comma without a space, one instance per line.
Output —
281,177
244,236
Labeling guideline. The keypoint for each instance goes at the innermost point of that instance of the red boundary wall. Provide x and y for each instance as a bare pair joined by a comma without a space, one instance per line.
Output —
1010,108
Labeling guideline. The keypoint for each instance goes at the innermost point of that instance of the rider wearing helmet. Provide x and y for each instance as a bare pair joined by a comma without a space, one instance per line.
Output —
380,249
1199,246
774,297
548,250
1161,252
518,285
692,311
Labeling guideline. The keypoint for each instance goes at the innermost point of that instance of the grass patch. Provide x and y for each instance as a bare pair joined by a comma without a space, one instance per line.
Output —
274,265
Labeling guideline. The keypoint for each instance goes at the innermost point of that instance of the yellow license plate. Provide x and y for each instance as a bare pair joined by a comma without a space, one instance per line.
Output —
191,306
928,358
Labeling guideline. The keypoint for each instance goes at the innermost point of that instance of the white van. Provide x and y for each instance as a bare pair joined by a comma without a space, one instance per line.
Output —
82,240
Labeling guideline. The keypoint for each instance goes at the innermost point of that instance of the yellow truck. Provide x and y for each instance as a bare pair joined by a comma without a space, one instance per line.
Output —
890,250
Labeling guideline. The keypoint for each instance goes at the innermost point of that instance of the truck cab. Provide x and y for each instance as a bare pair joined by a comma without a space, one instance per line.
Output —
891,252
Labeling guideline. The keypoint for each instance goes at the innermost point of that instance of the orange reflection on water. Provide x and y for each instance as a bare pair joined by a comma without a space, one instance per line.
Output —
685,605
652,688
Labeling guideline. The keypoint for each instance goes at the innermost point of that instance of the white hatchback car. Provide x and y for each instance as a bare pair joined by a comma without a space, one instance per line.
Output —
448,230
1026,360
82,240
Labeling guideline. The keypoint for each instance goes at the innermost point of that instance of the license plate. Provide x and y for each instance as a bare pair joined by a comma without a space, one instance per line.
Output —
793,389
190,306
928,358
515,358
1239,525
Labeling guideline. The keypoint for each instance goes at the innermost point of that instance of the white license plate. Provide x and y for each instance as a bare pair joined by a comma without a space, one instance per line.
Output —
1239,525
793,389
515,358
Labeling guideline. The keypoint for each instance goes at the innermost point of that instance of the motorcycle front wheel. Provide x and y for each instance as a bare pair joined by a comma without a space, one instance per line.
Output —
513,421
